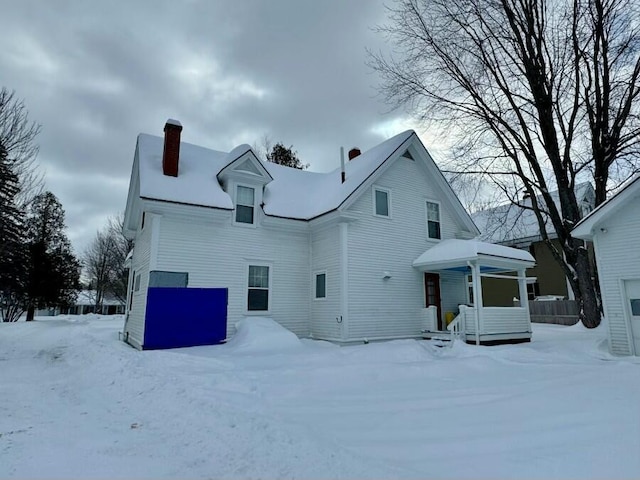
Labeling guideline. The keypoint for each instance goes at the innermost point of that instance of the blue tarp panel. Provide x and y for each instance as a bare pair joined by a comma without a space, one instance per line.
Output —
185,317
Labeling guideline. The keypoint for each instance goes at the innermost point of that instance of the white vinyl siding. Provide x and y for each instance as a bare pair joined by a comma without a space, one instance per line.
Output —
134,325
216,254
386,308
617,261
325,256
453,290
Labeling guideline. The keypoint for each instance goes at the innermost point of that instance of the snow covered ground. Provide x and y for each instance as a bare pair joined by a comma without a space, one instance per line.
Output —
76,402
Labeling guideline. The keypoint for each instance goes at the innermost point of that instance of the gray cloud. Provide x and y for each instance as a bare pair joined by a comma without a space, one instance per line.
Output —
95,74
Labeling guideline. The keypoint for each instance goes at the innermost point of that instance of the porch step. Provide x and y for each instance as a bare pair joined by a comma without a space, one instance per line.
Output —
440,339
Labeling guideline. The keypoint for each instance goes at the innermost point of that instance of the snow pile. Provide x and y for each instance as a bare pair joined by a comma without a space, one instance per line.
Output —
262,335
79,403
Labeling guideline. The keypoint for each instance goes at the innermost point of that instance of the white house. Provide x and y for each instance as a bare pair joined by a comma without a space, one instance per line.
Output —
335,256
614,228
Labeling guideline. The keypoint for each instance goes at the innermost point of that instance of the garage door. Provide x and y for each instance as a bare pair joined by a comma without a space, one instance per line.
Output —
632,290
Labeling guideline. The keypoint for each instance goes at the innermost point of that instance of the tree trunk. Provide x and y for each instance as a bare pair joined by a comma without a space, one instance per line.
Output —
31,311
586,295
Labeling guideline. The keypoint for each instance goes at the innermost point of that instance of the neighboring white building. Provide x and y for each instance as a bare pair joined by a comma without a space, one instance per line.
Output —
327,255
614,228
86,303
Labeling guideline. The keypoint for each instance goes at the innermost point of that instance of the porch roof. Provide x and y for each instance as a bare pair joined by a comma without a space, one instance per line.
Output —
457,255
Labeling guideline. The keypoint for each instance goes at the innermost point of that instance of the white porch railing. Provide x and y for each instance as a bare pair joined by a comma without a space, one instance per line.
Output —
457,327
494,320
429,319
505,320
467,325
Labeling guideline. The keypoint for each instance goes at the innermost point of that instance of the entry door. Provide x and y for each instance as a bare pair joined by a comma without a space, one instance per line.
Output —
432,294
632,290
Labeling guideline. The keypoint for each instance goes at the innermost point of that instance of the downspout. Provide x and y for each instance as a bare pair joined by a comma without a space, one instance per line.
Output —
344,298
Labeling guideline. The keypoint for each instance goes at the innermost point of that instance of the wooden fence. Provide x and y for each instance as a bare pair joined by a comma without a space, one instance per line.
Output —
561,312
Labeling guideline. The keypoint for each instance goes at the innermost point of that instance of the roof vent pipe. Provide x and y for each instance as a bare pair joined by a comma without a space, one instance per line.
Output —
343,175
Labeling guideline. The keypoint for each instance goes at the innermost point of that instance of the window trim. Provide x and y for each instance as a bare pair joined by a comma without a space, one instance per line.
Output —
235,204
315,285
376,188
269,288
426,214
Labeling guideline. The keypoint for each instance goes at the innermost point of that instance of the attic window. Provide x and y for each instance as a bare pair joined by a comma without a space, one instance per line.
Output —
407,154
381,202
245,204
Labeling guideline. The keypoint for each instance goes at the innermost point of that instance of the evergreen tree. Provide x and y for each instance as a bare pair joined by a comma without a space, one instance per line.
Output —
12,252
53,272
285,156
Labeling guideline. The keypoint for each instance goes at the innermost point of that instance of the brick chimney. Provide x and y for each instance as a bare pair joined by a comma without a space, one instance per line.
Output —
171,152
353,153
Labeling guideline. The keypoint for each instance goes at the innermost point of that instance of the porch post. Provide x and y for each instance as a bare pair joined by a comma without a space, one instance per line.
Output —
477,297
522,288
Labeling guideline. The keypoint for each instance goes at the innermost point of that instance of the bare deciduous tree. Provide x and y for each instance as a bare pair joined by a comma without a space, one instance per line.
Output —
123,246
104,261
544,94
263,146
17,135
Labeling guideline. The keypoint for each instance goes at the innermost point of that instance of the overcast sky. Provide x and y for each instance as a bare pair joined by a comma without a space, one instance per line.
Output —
94,74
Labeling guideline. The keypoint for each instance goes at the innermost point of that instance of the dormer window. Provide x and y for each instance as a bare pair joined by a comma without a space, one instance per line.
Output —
245,204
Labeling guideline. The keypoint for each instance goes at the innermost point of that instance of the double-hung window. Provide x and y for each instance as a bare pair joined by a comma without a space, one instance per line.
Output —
381,202
433,220
245,204
258,288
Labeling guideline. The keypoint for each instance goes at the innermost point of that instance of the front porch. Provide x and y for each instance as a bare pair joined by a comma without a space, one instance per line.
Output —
474,322
496,325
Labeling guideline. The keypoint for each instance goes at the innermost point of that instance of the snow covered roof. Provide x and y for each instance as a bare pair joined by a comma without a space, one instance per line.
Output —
318,193
453,253
509,223
628,191
197,183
